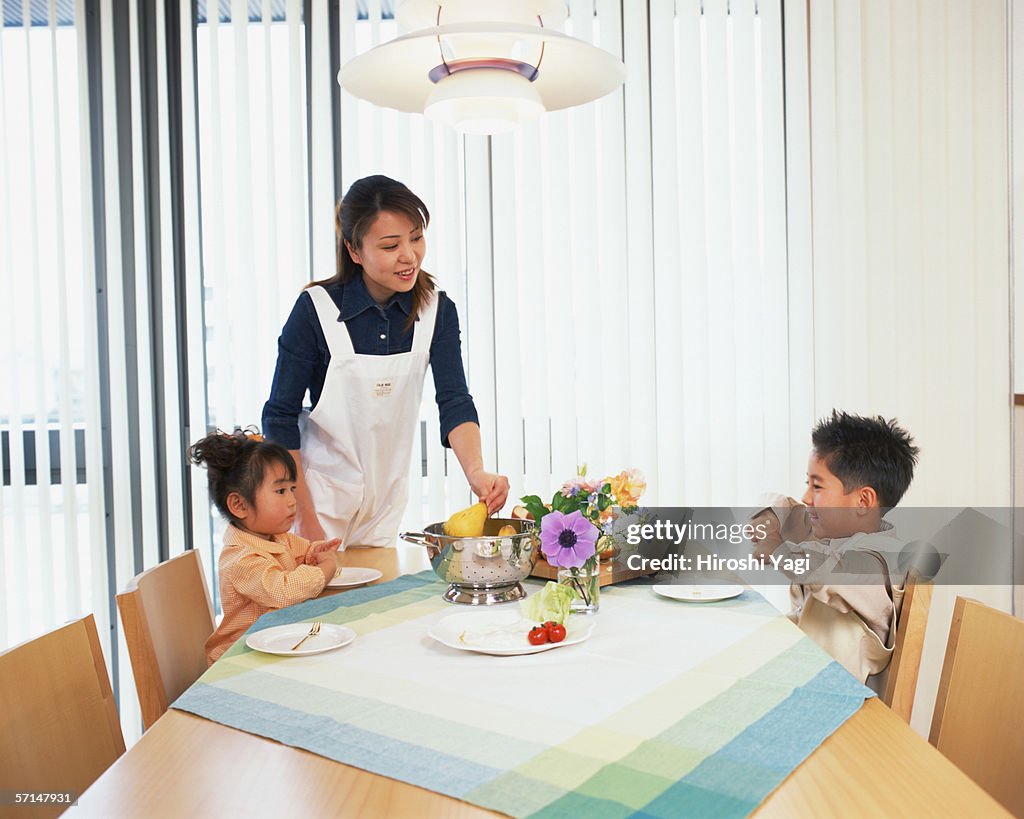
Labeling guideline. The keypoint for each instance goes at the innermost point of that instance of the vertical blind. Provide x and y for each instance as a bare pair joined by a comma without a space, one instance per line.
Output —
647,281
253,195
898,216
907,203
52,561
553,241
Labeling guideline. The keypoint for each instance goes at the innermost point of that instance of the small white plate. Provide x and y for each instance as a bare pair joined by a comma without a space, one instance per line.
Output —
280,639
501,633
697,593
353,576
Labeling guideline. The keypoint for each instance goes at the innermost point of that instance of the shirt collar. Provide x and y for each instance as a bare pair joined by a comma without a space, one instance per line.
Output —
355,298
234,536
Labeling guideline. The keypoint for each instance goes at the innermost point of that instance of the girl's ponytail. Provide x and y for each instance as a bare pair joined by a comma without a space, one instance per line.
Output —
236,462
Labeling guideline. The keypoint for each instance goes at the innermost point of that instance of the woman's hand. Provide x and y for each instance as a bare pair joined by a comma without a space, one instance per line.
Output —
308,526
492,489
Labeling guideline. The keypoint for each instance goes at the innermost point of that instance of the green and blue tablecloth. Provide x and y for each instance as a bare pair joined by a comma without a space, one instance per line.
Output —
668,710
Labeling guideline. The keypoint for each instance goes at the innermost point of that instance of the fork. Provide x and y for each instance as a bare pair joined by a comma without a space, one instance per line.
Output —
313,631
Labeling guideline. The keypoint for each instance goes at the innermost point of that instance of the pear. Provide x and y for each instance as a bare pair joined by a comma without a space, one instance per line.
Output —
506,530
468,522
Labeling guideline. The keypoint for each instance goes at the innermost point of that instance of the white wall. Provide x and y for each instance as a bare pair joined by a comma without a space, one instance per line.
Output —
899,270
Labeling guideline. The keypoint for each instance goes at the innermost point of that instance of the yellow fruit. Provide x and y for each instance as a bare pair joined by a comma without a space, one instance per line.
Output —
506,530
467,523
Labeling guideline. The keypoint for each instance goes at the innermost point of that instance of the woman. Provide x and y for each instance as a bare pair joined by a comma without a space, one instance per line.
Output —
359,342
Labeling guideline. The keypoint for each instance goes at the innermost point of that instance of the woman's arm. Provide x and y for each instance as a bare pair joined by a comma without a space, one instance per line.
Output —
307,524
301,365
490,487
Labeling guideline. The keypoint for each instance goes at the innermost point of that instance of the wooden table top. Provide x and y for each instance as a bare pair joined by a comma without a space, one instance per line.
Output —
874,764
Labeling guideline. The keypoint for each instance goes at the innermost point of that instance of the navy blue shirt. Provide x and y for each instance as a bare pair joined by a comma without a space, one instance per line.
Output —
302,356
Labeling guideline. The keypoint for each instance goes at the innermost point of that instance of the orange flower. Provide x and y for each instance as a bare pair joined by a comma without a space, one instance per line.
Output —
628,486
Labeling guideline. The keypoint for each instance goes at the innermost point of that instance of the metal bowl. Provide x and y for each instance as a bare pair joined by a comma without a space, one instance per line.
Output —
482,570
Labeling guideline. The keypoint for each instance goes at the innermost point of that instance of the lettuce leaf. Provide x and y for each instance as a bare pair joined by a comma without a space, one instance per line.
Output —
550,603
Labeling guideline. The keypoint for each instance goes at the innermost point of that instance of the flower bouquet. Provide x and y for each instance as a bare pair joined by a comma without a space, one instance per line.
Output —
577,522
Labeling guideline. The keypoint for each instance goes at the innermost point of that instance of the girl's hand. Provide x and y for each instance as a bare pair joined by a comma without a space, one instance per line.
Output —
492,489
320,547
327,563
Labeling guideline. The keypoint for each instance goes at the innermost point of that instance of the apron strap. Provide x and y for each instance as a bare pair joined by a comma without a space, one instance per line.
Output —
423,331
339,342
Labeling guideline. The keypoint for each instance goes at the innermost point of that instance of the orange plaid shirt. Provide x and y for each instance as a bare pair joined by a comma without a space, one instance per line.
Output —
257,576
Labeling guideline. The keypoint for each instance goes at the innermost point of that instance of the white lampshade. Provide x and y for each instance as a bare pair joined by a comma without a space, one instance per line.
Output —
484,101
438,67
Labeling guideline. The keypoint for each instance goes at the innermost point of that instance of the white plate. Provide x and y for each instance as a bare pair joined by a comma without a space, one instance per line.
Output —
697,593
280,639
502,633
353,576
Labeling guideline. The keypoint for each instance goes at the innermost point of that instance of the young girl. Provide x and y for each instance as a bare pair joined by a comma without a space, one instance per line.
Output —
262,566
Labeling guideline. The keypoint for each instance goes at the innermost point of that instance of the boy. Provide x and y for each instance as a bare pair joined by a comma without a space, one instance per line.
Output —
858,469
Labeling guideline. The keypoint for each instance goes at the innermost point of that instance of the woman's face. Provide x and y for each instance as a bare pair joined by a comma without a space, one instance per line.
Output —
391,253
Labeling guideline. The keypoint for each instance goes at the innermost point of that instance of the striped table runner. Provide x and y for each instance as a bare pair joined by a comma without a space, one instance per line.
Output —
668,709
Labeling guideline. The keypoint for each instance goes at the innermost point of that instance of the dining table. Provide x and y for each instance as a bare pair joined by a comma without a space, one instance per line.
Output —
799,736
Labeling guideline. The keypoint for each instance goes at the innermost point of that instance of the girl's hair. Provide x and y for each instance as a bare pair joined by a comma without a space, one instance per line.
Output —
237,462
356,211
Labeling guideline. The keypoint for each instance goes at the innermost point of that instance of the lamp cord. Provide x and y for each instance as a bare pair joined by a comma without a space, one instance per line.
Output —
444,62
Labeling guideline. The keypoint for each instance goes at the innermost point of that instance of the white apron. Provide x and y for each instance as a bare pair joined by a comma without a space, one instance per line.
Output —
357,441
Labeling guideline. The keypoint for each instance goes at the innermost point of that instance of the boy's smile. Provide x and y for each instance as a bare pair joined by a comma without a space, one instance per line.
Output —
831,510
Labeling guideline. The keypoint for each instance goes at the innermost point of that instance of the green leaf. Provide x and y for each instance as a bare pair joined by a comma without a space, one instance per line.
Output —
563,504
535,506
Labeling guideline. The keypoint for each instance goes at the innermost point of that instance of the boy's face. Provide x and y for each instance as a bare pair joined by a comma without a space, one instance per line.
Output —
832,511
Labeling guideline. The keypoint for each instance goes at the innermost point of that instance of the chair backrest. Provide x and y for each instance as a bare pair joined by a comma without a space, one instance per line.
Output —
59,728
979,709
901,682
167,618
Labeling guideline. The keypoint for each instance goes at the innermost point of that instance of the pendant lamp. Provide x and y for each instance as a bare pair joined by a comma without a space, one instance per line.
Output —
482,66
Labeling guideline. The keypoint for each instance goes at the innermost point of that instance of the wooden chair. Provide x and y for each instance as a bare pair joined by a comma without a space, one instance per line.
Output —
901,679
979,709
59,728
167,618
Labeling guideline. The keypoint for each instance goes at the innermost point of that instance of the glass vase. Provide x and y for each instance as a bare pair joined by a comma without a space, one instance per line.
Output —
585,582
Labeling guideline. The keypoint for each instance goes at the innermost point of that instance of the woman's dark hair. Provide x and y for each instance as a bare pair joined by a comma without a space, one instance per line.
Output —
864,451
353,215
237,462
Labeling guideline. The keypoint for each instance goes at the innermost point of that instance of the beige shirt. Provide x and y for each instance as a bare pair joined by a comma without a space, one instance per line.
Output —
836,558
257,576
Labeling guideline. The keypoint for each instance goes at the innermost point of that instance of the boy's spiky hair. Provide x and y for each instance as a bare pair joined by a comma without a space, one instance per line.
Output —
863,451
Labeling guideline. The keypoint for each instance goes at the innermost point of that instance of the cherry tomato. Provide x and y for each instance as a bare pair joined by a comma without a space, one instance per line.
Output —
547,626
556,632
537,636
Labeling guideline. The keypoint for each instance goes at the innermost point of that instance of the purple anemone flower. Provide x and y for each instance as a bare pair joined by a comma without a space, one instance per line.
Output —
567,540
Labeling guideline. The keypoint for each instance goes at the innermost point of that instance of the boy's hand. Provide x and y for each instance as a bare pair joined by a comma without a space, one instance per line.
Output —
766,536
319,547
